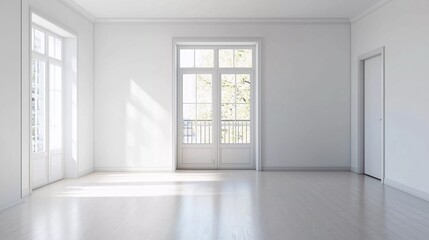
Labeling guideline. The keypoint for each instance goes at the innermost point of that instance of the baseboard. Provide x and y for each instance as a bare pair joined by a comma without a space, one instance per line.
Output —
308,169
9,205
108,169
25,192
86,172
407,189
355,170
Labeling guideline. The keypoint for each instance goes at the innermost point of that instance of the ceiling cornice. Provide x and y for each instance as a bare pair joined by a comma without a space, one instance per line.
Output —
78,9
223,20
81,11
370,10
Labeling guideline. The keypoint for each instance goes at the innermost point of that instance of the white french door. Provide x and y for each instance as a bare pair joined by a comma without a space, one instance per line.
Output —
46,108
215,110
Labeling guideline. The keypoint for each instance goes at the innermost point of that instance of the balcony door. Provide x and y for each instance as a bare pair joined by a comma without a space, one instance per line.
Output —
215,110
46,108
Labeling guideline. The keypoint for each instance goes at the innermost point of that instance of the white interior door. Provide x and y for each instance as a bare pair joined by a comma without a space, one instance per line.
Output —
373,80
215,108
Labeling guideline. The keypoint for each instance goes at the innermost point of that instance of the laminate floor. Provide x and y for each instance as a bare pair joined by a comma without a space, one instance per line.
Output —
218,205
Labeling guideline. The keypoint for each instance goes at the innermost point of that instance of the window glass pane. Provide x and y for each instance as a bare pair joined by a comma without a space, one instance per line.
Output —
187,58
38,106
189,112
243,88
204,88
189,88
228,88
204,58
226,58
55,47
243,58
204,111
38,41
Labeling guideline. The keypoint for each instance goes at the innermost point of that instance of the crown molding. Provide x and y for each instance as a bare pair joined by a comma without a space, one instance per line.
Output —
81,11
78,9
223,20
370,10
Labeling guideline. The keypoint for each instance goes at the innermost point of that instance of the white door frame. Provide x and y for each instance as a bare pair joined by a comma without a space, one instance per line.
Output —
361,110
256,42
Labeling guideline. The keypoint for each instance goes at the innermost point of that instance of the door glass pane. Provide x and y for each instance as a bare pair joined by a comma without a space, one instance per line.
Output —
235,108
189,112
204,58
55,109
38,106
197,108
242,111
204,112
243,88
204,88
189,88
228,88
228,112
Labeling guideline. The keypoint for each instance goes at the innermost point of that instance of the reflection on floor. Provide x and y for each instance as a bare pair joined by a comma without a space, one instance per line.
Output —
218,205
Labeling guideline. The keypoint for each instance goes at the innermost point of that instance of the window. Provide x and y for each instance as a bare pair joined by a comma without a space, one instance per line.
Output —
196,58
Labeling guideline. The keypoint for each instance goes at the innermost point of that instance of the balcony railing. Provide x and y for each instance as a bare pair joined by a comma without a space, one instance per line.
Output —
235,131
201,132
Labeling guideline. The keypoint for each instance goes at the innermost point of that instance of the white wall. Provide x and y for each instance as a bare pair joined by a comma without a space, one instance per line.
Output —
402,27
305,87
70,20
10,102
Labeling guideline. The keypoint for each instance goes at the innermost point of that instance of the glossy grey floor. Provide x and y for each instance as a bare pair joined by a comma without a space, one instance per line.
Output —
218,205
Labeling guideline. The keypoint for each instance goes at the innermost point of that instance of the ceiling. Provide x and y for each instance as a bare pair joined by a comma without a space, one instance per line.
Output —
218,9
